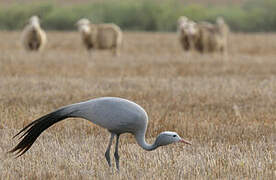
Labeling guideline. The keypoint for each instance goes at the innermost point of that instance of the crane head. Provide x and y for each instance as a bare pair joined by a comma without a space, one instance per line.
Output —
168,137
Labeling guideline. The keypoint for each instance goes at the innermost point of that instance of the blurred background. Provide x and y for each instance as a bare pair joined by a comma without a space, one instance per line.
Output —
142,15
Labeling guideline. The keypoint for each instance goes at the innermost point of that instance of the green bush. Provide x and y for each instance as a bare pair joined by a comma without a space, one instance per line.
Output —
146,15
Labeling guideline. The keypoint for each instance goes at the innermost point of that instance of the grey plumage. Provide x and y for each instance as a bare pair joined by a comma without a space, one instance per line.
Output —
117,115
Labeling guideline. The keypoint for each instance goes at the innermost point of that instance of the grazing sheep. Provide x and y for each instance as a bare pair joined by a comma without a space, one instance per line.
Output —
212,37
183,37
203,37
100,36
33,37
188,33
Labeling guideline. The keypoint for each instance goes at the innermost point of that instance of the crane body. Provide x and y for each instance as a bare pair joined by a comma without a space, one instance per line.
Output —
117,115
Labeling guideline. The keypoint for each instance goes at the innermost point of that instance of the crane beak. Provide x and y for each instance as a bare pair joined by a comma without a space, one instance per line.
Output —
183,141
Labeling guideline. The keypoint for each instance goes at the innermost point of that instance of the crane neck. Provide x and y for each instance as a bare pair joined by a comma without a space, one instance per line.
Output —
140,138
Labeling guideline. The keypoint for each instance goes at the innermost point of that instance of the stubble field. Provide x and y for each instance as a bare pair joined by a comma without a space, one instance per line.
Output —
224,105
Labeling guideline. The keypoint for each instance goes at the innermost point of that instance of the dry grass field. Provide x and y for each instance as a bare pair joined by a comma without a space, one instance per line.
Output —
225,106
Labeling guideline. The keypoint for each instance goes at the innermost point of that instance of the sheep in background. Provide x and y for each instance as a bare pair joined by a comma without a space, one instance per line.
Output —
86,33
183,36
204,36
189,36
100,36
188,33
213,37
33,37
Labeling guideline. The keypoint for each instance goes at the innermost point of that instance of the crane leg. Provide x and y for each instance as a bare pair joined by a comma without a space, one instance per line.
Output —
107,152
116,154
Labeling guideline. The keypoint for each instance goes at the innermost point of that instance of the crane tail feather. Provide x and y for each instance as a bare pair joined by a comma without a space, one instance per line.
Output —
35,128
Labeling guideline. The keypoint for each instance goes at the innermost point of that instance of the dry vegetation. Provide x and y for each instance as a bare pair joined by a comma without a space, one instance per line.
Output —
225,107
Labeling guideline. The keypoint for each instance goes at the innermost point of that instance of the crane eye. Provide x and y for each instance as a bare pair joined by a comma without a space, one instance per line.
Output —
174,135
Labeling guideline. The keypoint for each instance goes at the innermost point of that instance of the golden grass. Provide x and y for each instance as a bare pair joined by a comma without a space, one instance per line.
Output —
225,107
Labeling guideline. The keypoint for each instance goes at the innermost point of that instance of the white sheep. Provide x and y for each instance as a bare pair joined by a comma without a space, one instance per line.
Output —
204,36
213,37
188,33
33,36
100,36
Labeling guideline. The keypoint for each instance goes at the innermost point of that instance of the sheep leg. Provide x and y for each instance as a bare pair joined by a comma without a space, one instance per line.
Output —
191,43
